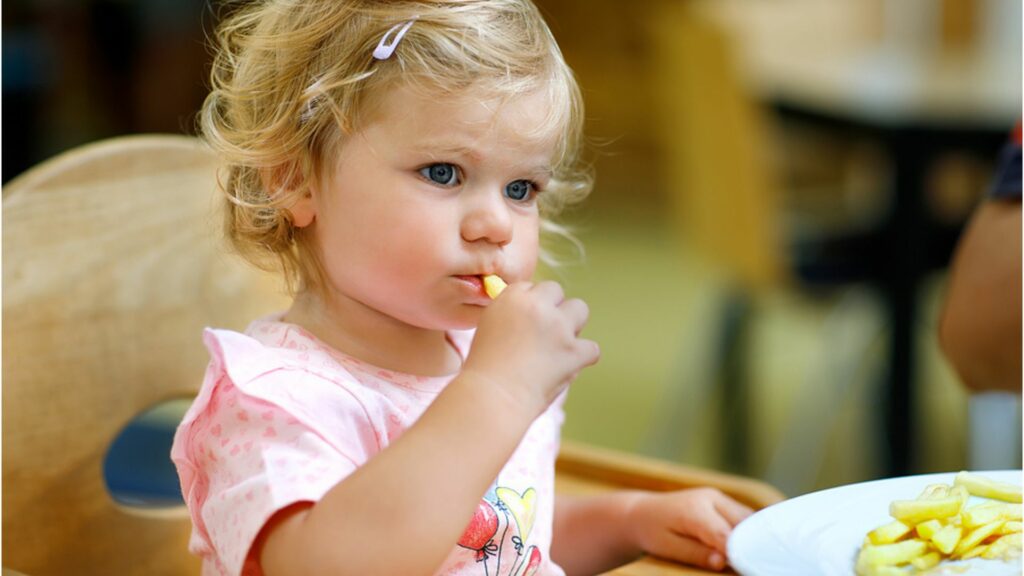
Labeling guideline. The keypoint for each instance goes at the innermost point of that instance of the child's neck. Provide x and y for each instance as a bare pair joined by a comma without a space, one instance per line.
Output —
375,338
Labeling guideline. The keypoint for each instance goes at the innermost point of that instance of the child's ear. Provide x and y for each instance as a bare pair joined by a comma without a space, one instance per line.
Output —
284,179
303,211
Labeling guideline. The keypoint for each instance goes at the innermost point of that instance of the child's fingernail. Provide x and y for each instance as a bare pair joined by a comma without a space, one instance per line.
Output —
716,560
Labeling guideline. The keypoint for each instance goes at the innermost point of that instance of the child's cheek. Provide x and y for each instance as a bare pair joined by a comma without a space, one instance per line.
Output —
531,251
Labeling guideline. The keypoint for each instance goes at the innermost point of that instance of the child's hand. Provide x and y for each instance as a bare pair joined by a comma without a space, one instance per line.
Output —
527,344
688,526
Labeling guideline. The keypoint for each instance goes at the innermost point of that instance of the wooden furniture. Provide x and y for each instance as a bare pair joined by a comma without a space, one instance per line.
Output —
111,269
110,272
583,469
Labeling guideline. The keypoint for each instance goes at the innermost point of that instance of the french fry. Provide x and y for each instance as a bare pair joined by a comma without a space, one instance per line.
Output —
916,511
1005,547
894,554
1011,527
926,529
494,285
939,526
990,512
888,533
926,561
883,571
974,552
934,492
975,536
947,538
961,493
988,488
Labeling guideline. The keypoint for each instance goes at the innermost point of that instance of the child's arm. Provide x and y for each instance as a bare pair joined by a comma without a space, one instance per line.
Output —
980,323
404,510
594,534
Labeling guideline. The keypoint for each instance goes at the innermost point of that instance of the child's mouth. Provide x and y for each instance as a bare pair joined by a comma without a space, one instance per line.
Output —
488,286
475,281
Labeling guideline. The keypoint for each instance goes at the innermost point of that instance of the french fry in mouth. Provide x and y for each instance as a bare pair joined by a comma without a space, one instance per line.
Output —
493,285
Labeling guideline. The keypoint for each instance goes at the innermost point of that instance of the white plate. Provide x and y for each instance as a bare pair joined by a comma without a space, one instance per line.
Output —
821,532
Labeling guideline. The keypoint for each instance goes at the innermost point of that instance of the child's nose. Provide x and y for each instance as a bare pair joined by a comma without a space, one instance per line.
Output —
487,217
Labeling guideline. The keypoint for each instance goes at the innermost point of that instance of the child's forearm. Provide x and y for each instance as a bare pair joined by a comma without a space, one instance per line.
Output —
591,533
403,511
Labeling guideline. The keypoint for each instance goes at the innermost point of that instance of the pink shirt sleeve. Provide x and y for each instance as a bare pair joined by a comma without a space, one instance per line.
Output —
255,442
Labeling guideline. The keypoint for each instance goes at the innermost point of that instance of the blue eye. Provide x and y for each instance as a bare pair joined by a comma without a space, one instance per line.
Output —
519,190
441,173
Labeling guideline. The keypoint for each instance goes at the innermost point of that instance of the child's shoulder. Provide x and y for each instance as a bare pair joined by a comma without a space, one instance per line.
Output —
269,346
278,367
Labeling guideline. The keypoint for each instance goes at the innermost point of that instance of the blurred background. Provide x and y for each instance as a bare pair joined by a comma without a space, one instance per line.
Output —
780,185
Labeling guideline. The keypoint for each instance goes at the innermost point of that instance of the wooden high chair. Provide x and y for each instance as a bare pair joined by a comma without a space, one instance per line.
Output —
111,269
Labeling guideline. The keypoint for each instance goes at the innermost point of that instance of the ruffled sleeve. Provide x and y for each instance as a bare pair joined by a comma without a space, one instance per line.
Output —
265,431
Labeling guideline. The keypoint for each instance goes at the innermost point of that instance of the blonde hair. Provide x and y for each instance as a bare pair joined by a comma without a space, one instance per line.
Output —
291,78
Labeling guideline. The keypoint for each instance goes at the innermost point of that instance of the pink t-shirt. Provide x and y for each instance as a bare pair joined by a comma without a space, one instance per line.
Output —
281,418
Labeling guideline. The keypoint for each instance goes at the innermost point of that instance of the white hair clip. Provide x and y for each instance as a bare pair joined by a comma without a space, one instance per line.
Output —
314,94
384,50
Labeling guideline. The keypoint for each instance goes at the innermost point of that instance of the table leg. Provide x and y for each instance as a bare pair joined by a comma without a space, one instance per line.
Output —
901,274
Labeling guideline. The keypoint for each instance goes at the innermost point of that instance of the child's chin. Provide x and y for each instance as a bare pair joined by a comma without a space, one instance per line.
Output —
462,320
467,320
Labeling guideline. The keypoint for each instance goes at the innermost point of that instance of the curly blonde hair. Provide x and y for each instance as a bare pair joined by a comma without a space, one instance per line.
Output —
291,78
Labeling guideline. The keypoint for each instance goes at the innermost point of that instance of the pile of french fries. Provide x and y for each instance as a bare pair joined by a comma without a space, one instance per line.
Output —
938,526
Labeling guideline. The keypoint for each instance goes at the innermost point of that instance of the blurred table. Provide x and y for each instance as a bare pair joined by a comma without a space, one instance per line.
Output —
832,64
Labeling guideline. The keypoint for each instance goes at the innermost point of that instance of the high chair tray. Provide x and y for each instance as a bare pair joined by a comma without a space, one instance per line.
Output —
585,469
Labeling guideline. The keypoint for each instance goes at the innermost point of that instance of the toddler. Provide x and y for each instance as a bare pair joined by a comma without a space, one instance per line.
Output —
385,156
